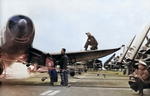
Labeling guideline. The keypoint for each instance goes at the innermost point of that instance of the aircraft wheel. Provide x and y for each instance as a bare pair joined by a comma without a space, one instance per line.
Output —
73,60
72,73
79,73
2,67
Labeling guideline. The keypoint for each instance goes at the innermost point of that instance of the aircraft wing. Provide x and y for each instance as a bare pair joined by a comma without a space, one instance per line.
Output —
109,59
86,55
126,50
39,57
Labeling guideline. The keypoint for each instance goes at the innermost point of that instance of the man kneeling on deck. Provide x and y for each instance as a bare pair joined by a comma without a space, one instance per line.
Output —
140,75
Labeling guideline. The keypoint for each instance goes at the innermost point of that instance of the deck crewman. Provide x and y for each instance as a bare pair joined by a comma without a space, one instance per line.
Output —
91,41
63,68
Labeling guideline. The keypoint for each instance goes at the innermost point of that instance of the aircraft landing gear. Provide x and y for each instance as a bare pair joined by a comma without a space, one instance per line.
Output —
2,67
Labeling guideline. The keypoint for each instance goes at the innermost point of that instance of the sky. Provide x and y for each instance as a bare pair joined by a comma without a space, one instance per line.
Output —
63,23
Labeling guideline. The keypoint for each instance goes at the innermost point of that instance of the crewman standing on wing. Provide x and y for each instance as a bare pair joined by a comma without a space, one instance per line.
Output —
91,41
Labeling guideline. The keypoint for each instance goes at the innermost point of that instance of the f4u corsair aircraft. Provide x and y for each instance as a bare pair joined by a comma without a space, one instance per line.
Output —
16,46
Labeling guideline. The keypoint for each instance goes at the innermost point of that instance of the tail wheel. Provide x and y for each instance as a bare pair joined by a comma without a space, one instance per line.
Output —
2,67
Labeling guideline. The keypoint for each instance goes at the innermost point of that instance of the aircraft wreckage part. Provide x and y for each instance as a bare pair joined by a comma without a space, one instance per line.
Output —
2,67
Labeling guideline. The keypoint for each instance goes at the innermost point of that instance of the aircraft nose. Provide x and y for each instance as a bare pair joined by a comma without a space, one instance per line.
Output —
20,26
